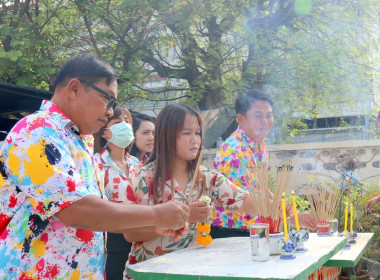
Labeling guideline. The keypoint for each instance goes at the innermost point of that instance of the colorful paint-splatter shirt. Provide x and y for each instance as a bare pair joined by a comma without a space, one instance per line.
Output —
46,166
216,186
235,159
115,181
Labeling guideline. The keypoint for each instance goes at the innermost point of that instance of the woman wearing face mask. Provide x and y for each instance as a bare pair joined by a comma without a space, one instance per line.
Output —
115,165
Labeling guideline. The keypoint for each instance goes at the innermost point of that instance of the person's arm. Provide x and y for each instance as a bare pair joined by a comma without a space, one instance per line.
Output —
248,206
232,197
149,233
96,214
140,234
371,203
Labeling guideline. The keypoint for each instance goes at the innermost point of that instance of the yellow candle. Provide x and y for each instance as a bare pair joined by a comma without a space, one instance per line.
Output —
284,217
295,212
345,219
351,218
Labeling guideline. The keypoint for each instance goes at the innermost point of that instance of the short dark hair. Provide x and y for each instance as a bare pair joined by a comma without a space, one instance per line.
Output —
244,101
138,118
86,66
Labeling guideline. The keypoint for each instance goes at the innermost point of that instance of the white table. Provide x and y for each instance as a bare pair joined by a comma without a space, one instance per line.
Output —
230,258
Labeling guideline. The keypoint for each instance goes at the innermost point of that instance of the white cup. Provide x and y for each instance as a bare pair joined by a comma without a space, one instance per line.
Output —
275,243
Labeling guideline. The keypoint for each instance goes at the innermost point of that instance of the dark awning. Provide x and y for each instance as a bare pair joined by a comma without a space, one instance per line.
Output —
17,102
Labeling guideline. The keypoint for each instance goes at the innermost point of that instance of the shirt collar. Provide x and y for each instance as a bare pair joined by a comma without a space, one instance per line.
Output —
248,140
56,112
107,160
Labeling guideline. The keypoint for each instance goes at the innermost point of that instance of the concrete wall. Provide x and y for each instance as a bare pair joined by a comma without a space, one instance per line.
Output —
317,159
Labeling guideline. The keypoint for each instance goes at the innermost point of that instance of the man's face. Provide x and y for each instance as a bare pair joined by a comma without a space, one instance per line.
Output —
257,121
95,113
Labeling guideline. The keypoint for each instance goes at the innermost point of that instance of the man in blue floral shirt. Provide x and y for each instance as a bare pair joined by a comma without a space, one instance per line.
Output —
243,150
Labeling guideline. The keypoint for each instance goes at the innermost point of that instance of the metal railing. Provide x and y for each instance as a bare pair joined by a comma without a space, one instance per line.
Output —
323,135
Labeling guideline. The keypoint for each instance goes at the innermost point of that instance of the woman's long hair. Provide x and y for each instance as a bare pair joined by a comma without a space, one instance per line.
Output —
169,124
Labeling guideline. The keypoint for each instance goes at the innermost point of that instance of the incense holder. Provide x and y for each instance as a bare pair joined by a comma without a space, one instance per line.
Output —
323,230
299,238
287,250
351,237
275,243
341,234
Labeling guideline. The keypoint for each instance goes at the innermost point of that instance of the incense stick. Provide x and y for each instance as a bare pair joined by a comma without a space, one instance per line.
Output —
323,202
269,204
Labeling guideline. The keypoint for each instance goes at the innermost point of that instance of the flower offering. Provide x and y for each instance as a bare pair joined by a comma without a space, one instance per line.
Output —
203,237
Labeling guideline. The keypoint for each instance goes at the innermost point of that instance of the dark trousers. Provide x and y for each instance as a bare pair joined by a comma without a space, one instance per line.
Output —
219,232
118,250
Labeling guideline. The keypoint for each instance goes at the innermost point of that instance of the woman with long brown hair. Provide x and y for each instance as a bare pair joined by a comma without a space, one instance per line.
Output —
169,175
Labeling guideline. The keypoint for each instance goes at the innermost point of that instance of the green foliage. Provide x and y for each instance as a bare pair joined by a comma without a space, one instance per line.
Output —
302,204
204,52
296,125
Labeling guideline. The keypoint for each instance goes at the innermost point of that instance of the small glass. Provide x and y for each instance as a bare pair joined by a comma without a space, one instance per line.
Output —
323,229
259,235
333,227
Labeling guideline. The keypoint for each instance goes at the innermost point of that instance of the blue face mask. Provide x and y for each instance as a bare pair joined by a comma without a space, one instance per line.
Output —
122,134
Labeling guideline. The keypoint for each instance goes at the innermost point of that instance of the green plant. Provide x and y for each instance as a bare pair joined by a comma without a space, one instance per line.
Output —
370,222
302,204
364,222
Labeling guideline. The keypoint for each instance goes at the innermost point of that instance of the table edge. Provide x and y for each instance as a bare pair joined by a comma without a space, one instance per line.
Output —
348,263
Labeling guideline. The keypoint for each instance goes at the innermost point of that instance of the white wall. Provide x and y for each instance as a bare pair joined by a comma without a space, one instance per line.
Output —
314,158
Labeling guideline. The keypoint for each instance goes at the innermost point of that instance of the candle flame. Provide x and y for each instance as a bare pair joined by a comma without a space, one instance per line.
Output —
292,192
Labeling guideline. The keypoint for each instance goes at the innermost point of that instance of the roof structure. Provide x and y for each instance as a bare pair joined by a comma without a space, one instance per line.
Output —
17,102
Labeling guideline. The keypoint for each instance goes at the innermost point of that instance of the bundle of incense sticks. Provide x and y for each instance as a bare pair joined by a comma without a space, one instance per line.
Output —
268,203
323,202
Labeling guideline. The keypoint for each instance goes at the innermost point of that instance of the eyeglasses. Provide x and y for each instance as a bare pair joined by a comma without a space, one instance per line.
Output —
111,99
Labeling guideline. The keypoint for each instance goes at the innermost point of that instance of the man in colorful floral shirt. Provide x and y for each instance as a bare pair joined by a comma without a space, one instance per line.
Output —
241,151
239,154
51,209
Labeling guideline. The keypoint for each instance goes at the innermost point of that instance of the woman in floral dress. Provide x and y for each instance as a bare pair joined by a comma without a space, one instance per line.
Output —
115,165
168,175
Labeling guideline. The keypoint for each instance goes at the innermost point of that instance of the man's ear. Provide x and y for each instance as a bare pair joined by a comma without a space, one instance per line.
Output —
239,118
73,87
